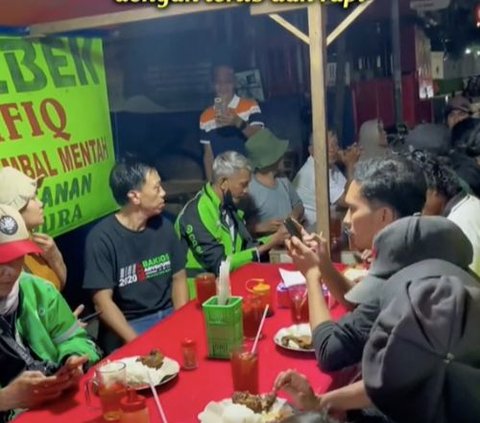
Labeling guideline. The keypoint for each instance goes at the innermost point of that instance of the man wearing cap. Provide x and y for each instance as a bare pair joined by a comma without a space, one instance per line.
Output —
134,264
20,191
212,227
226,126
271,198
42,347
424,335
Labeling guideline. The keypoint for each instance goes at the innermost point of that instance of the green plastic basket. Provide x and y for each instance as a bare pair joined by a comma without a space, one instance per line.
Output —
224,326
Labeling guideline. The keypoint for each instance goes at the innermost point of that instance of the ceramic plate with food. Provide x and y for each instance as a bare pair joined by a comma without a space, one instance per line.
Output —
246,408
161,369
295,338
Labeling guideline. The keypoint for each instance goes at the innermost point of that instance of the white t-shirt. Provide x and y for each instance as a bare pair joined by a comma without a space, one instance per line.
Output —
304,183
466,214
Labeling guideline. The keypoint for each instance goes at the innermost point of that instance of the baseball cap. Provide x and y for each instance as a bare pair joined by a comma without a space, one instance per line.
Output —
407,241
14,237
421,363
16,188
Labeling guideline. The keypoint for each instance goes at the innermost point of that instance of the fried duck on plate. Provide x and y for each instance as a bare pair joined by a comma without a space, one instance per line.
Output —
256,403
154,360
246,408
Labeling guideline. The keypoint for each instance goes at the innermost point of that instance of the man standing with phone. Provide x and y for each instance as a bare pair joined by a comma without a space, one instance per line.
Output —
227,124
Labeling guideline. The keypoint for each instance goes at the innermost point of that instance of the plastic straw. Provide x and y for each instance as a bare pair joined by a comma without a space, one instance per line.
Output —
259,331
157,400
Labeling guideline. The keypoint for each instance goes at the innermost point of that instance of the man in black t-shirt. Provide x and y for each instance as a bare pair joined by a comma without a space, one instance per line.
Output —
134,263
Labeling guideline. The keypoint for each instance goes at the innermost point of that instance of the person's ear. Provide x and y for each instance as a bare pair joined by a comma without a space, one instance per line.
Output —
224,185
388,215
134,197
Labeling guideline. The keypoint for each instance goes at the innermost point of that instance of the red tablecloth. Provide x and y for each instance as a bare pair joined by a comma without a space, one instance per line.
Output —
184,397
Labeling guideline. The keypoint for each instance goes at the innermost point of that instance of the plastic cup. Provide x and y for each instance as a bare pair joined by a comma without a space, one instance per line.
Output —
244,370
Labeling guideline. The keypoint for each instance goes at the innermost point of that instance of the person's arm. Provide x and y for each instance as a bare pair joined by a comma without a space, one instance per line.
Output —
340,344
31,389
205,246
52,256
295,201
179,289
112,316
62,326
351,397
208,161
249,127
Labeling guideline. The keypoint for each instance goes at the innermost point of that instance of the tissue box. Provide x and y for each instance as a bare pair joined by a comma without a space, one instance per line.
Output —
224,326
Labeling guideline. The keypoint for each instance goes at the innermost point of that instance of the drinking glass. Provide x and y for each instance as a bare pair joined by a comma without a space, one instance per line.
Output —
252,309
206,286
110,384
299,304
244,365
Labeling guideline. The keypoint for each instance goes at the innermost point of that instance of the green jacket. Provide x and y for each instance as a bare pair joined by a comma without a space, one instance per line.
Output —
202,229
47,325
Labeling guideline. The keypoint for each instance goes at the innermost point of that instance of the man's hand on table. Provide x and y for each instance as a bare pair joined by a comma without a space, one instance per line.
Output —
299,388
31,389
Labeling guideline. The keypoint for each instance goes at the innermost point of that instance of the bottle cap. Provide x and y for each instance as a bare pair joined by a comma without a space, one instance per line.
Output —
187,342
132,402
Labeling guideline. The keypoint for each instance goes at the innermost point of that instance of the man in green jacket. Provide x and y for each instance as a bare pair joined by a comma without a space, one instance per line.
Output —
42,347
211,226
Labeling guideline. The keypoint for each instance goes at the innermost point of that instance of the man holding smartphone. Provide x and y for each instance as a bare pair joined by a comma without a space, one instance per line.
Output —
227,124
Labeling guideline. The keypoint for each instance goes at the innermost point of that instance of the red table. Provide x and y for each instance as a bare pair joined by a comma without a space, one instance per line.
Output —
184,397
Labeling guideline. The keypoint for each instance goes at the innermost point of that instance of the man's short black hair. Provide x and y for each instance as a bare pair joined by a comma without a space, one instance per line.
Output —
439,176
466,137
127,175
392,181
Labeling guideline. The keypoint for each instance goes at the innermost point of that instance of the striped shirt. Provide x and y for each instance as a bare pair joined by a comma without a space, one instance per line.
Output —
229,138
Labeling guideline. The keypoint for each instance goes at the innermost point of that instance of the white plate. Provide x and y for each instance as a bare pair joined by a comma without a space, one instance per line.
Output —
295,330
170,369
226,412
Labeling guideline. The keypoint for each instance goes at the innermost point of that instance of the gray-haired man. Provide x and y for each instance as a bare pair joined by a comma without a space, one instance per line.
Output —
212,227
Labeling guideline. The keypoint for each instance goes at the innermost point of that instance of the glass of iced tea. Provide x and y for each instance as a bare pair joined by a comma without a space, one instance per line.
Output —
252,309
206,287
244,370
110,385
299,303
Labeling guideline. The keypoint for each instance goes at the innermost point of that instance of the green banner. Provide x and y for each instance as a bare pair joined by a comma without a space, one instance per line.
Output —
55,123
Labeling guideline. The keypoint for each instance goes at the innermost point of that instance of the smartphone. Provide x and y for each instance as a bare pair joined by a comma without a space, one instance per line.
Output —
89,317
293,227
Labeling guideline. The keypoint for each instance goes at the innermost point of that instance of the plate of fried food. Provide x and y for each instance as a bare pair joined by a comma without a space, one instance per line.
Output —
244,407
160,368
295,338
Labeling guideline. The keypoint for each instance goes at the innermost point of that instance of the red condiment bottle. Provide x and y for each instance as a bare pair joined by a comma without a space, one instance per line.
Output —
189,352
134,408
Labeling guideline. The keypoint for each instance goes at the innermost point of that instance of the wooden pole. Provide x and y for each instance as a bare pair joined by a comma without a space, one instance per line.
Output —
290,27
318,54
342,26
